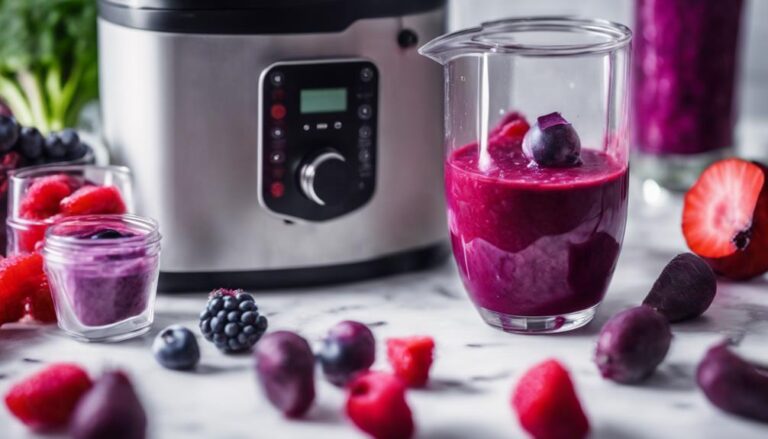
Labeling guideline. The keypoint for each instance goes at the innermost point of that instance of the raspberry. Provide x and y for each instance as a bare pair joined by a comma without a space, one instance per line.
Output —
42,199
20,277
376,404
47,399
547,405
411,358
94,200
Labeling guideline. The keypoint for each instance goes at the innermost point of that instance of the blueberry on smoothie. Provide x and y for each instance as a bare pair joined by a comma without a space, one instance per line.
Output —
552,142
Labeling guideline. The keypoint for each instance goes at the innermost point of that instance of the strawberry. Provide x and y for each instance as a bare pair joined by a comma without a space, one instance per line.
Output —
725,218
43,197
546,403
93,200
376,404
40,303
411,358
515,130
47,399
24,284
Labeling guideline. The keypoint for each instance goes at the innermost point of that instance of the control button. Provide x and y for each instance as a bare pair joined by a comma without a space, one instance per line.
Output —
407,38
365,111
277,157
277,189
366,74
322,126
365,131
364,155
326,178
277,79
364,143
305,127
277,133
278,111
337,125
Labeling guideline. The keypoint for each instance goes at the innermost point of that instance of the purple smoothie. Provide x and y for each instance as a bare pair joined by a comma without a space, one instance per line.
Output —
533,241
684,75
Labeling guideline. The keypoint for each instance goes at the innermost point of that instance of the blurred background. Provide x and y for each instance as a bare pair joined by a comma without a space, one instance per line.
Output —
752,94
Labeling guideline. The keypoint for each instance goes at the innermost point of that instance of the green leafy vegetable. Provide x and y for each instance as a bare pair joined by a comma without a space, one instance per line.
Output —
48,67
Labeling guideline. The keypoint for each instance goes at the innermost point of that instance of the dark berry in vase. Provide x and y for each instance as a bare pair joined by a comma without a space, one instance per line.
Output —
54,147
552,142
285,367
75,149
30,143
9,133
175,347
231,321
347,350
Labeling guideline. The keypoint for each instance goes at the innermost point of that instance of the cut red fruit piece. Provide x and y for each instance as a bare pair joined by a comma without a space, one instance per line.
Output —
20,276
47,399
515,130
40,304
411,358
42,199
546,403
90,200
725,218
376,404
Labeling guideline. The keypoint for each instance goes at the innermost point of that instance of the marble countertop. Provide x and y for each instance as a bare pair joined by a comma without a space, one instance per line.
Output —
475,368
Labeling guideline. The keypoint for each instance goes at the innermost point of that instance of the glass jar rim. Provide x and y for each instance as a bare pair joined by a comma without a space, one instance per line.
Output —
33,171
58,244
498,37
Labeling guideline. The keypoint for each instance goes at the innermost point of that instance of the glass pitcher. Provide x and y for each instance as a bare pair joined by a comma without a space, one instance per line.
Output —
536,165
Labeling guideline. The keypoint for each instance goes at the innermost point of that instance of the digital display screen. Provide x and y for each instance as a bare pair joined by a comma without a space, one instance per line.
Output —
323,100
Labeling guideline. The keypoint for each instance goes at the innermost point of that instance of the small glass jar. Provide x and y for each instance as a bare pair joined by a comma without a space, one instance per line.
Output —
103,272
24,234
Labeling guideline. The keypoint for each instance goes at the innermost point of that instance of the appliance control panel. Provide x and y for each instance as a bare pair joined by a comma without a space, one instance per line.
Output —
318,137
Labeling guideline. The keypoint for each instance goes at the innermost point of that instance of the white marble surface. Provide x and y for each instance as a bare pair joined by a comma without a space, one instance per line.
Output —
475,369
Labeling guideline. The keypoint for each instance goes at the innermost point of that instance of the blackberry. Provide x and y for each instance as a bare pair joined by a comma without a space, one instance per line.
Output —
231,320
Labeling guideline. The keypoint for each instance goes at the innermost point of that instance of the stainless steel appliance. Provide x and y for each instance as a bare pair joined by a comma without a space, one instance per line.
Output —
278,143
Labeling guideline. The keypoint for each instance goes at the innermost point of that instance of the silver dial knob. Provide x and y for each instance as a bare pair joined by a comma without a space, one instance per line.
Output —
325,178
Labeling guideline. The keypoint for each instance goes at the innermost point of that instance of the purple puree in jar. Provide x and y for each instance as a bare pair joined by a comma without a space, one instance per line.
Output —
684,72
112,287
533,241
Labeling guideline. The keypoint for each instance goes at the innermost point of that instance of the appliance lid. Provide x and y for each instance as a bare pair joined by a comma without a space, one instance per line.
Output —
254,16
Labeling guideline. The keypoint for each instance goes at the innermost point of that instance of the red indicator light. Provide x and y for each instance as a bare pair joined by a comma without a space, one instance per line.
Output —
278,111
277,189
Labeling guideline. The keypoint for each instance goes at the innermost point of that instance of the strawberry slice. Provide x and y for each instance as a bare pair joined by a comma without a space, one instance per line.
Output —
43,197
90,200
725,218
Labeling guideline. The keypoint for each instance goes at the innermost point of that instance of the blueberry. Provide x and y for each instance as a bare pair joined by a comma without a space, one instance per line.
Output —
108,234
9,133
69,137
632,344
685,288
54,147
348,349
285,368
30,143
553,142
175,347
